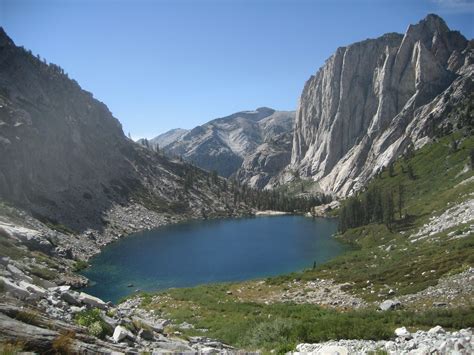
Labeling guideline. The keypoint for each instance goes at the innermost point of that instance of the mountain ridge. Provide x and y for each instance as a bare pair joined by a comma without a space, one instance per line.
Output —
85,167
229,144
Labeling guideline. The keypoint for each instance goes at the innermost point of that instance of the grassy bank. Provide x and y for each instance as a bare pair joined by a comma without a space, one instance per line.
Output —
251,325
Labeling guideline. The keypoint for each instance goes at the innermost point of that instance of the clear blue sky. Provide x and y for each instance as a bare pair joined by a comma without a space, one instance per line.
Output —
165,64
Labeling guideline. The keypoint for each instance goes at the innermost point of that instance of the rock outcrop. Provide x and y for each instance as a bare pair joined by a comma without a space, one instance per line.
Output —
373,99
253,146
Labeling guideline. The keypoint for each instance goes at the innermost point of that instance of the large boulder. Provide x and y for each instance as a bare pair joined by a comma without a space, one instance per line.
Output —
14,289
17,274
92,301
37,291
32,239
402,332
71,297
390,305
122,333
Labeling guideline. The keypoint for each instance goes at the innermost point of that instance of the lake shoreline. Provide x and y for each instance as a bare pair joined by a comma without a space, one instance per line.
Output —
214,250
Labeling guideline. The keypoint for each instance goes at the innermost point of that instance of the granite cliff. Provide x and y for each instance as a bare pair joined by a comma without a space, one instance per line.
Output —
374,99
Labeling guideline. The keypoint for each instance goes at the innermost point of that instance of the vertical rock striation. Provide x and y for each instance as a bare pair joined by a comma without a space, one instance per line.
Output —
372,99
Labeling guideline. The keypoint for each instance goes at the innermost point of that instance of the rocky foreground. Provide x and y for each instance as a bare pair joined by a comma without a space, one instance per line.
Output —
58,318
434,341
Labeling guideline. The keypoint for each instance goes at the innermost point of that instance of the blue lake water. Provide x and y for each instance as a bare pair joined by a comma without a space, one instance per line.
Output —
211,251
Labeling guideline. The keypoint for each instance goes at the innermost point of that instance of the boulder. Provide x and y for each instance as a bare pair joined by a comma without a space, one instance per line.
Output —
64,252
75,309
32,239
437,330
111,322
45,283
402,332
92,301
59,289
14,289
122,333
38,291
209,350
389,305
146,334
185,326
156,326
71,297
18,274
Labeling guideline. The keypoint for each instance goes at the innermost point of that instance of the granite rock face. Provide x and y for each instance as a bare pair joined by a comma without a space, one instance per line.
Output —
373,99
253,146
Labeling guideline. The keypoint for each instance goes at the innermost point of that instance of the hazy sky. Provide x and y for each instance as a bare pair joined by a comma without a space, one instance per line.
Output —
165,64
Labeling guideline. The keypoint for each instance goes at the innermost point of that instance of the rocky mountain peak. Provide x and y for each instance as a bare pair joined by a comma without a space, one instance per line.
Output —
4,39
265,110
433,23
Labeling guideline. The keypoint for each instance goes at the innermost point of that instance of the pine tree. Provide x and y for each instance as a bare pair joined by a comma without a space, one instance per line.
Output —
388,209
391,170
401,199
411,173
215,178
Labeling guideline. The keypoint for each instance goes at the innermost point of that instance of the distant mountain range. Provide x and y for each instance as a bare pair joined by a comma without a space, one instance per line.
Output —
253,146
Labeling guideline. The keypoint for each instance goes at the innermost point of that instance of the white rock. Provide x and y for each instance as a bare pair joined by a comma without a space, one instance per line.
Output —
41,292
402,332
389,304
92,301
75,309
208,350
120,333
437,330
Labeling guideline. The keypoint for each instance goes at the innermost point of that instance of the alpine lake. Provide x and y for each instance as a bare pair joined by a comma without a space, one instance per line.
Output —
211,251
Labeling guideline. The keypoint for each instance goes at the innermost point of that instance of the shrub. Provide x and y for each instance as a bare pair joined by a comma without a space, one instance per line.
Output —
92,320
59,227
96,329
27,317
79,265
11,348
146,299
277,331
43,273
62,344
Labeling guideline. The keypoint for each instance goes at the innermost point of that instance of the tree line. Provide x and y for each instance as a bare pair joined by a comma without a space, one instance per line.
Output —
376,205
238,193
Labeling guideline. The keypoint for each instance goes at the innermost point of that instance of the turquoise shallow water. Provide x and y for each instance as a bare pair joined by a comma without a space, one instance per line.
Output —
211,251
